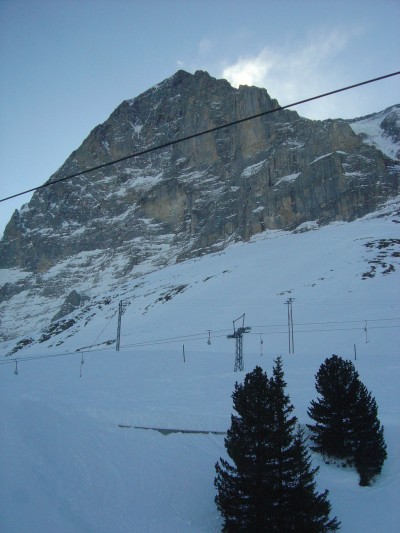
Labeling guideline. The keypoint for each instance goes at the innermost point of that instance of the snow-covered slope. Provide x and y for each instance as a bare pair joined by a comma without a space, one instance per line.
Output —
381,130
74,454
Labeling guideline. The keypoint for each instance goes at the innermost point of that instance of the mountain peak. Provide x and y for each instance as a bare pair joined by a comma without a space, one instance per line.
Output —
182,78
279,171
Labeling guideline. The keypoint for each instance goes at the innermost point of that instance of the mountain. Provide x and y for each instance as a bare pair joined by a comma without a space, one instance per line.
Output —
80,238
186,240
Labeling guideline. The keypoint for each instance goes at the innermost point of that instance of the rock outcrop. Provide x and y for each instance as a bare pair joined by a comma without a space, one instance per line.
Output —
190,198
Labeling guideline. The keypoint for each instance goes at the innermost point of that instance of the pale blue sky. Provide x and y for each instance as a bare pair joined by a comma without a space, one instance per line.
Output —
65,65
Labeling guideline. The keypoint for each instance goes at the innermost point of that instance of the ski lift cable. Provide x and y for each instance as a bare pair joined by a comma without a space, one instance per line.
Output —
187,338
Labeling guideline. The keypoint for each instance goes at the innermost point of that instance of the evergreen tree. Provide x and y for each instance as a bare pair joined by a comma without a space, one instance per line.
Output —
337,385
243,489
346,415
369,443
271,472
309,511
282,439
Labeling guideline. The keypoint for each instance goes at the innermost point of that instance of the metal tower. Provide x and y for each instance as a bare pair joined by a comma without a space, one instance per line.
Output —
290,325
238,336
121,310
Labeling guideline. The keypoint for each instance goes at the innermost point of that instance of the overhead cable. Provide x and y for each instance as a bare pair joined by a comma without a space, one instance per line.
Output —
185,338
199,134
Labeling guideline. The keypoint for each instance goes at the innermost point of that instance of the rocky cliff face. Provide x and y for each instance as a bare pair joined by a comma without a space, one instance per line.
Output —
194,197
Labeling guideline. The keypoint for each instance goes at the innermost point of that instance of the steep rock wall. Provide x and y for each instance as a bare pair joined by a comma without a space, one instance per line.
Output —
276,171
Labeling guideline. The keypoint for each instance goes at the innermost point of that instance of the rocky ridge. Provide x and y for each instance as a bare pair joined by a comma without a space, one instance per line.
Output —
280,171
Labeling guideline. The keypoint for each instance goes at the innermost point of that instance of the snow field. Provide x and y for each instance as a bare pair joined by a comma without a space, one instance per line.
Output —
66,465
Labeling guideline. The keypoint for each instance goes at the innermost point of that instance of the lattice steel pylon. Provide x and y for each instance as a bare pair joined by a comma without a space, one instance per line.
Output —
238,336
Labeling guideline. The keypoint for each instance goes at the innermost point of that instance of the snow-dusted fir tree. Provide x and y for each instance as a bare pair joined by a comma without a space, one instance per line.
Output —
271,472
369,443
337,385
346,419
308,509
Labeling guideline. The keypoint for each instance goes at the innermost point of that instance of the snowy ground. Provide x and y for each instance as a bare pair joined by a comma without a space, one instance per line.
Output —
66,465
374,135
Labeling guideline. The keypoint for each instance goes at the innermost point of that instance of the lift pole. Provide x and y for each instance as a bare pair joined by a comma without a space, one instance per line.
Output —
290,325
121,310
238,336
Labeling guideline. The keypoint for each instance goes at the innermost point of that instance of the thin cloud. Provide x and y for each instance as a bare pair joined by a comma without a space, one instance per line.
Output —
249,71
293,73
205,46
